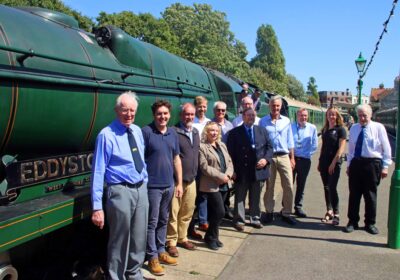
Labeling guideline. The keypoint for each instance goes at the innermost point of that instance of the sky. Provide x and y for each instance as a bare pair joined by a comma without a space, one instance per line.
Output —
319,38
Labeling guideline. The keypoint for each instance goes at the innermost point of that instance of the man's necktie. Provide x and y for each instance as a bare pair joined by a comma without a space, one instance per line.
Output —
250,135
135,151
359,143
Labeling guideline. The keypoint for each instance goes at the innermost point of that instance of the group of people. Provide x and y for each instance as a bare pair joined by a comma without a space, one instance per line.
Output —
161,180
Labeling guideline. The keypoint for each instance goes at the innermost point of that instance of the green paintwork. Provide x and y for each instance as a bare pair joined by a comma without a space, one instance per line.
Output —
56,212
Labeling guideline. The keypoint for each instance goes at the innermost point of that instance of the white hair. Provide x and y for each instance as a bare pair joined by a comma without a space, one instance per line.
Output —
275,97
219,103
130,94
365,108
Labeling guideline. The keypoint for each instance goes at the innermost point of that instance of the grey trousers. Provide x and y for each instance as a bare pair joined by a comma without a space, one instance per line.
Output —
241,189
127,215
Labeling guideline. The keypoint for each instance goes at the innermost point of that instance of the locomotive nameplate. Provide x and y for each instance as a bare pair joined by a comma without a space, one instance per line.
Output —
31,172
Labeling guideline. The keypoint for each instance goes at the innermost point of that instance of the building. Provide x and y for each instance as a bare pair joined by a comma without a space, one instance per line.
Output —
335,98
385,98
364,99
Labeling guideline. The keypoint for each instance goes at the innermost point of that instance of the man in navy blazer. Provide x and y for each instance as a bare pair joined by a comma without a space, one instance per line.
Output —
251,152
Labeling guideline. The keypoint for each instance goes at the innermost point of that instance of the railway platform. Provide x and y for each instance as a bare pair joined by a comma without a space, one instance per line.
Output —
308,250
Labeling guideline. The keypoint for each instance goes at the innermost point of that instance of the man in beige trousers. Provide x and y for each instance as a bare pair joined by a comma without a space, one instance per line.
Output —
182,207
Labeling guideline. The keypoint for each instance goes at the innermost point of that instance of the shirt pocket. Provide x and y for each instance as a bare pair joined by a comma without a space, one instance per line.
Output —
373,143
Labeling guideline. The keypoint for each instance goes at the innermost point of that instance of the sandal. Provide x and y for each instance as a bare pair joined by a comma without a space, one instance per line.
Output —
327,218
335,220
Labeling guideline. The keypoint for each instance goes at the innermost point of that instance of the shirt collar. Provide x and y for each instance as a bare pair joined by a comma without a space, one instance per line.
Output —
155,130
299,126
120,127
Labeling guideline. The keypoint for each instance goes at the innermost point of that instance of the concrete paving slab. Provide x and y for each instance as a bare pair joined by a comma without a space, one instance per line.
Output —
204,263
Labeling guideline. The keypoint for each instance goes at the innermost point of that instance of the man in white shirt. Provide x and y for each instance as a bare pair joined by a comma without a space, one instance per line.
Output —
246,102
368,161
200,119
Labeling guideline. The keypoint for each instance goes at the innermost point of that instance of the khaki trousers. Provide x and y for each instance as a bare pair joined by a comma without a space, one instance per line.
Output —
181,214
282,165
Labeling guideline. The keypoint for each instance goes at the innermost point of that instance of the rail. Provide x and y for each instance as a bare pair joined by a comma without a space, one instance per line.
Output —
124,73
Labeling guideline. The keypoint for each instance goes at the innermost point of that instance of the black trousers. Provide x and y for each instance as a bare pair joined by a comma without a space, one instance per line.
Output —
330,182
300,174
216,212
364,178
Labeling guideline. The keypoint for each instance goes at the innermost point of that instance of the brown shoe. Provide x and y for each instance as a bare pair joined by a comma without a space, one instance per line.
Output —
203,227
164,258
173,251
239,227
195,235
187,245
155,267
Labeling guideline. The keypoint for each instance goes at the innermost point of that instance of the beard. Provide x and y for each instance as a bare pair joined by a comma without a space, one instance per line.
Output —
189,124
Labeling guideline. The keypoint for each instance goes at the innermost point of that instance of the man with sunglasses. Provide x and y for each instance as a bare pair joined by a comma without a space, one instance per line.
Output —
219,118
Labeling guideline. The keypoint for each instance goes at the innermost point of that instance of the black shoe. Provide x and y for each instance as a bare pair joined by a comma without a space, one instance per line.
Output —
267,218
350,227
371,229
290,220
228,215
300,213
256,224
219,243
212,245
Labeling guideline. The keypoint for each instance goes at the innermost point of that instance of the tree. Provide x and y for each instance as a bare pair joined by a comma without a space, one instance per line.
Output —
56,5
312,92
269,54
296,88
205,38
270,58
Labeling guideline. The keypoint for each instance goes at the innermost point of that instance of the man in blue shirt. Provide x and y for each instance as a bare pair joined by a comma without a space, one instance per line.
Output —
305,144
163,162
280,133
122,169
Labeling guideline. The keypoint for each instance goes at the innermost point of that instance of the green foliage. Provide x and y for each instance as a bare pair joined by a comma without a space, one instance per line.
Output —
296,88
269,54
313,92
56,5
205,38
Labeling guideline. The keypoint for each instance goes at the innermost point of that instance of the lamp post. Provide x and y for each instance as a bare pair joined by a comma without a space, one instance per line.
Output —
394,197
360,64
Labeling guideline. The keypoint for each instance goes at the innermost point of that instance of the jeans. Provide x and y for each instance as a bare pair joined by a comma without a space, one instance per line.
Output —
159,205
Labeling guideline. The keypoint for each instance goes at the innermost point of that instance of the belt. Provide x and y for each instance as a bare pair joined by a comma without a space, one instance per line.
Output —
301,158
367,159
277,154
129,185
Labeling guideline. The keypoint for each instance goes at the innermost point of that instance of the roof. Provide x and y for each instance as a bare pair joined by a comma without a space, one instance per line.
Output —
378,93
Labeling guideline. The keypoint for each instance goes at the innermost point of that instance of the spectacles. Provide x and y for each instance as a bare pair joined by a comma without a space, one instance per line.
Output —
124,110
220,110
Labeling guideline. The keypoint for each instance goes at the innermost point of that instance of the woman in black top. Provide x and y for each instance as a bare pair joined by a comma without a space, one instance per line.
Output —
330,160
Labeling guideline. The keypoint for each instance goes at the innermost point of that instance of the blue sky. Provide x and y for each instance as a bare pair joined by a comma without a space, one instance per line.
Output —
319,38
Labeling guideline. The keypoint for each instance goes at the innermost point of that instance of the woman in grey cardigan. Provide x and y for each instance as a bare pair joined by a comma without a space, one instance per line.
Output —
216,170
